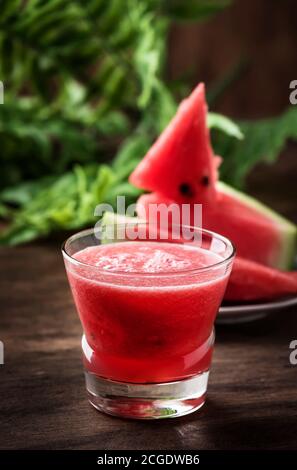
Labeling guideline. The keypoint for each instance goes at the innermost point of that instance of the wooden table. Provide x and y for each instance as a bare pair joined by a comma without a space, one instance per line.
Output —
252,398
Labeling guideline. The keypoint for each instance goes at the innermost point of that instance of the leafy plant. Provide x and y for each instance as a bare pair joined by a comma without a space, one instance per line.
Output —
263,141
84,81
56,204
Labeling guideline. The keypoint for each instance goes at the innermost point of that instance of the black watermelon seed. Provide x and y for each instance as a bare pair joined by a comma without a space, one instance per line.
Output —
205,180
186,190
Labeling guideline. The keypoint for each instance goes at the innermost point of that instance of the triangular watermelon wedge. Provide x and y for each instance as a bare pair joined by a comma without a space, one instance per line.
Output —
181,162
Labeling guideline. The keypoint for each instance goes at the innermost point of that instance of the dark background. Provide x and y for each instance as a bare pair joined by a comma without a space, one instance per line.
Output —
256,42
260,34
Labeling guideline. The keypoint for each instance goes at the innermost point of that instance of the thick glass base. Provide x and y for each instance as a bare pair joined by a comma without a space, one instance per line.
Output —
147,401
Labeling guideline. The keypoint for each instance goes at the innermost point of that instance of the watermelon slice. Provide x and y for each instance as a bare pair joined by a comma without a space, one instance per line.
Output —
257,232
181,167
250,281
181,163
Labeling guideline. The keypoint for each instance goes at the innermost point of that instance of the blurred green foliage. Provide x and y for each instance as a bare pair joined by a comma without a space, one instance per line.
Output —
84,81
263,141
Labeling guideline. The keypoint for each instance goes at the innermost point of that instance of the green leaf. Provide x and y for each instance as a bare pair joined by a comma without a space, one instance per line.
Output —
193,10
66,203
8,9
23,193
130,153
148,57
163,109
125,189
18,234
263,141
224,124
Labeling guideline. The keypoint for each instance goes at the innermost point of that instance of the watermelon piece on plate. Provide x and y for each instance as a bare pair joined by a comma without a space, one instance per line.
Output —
250,281
181,163
181,167
259,233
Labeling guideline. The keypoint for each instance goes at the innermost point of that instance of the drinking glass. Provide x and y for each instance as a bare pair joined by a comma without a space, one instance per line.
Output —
148,337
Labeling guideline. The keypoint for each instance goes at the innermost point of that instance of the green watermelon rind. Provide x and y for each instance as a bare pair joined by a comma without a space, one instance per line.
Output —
288,232
114,219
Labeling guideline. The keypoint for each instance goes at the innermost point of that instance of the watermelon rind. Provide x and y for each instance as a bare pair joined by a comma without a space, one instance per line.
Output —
112,220
287,230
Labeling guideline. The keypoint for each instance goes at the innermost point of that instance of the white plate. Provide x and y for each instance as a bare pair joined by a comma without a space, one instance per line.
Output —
249,312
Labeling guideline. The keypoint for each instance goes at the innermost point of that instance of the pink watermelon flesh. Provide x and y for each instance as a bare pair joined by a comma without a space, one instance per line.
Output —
250,281
255,236
181,162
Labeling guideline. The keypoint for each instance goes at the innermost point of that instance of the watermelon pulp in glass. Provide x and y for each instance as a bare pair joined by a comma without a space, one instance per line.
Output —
147,309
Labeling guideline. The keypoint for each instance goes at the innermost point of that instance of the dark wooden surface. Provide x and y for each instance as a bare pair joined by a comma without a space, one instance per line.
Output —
252,398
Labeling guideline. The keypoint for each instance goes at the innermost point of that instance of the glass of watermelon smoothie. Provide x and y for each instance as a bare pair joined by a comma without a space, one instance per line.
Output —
147,307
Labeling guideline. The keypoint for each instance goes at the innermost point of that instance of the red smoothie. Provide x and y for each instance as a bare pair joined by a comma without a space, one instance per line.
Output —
147,309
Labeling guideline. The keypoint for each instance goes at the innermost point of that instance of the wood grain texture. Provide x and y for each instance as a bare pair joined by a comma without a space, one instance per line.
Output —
252,399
